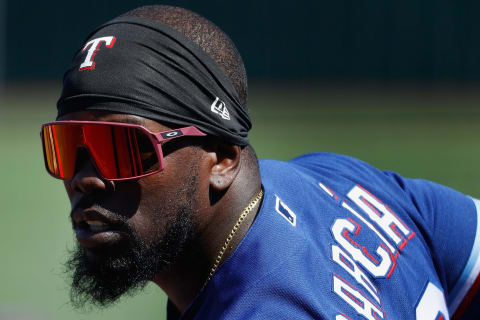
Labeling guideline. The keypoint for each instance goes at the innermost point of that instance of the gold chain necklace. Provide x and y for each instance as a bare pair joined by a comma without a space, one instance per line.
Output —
242,217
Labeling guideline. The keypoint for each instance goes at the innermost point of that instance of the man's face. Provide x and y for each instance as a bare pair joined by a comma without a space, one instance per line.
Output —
130,231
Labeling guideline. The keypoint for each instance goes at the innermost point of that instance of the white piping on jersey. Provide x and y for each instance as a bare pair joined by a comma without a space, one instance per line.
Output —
325,189
470,272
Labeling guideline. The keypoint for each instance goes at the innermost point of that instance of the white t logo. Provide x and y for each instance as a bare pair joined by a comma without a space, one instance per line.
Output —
94,44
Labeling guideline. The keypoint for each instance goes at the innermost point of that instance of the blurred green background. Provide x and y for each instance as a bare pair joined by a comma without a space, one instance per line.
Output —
393,84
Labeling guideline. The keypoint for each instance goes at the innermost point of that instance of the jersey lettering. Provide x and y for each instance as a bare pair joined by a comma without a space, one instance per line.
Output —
343,230
350,251
432,305
347,263
356,299
370,226
382,215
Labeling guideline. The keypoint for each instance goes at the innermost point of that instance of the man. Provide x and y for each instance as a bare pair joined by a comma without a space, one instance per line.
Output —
151,140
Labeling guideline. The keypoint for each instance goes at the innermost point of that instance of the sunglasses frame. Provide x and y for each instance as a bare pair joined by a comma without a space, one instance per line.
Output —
156,138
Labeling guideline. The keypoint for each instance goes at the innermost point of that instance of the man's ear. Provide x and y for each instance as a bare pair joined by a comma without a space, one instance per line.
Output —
225,165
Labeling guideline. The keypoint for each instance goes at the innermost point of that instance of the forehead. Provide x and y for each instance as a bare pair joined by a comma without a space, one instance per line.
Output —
100,115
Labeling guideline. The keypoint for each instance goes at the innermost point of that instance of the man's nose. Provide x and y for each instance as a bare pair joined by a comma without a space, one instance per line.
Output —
87,179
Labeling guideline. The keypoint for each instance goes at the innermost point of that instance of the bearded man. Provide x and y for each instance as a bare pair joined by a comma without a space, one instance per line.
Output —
151,140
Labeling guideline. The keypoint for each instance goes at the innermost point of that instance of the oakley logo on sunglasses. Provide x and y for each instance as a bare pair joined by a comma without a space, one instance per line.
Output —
94,47
171,134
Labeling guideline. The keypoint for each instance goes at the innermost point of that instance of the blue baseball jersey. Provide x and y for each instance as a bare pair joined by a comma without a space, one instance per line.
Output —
338,239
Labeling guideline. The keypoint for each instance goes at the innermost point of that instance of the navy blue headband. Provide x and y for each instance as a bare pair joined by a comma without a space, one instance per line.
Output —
142,67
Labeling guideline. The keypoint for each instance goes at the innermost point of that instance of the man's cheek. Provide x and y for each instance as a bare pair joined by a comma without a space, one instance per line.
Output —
147,231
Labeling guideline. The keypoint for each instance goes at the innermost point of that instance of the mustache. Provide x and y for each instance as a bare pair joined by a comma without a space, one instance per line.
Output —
89,205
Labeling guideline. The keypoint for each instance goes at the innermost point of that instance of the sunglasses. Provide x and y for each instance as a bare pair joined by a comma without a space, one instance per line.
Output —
120,151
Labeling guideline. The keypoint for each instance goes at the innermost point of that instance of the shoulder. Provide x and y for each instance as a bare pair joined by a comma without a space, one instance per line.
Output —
314,158
315,161
329,167
322,161
338,164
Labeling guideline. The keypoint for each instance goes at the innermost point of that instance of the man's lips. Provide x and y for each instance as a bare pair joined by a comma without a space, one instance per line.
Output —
95,229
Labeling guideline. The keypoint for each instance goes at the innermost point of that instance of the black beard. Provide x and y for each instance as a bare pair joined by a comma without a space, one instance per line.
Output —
102,281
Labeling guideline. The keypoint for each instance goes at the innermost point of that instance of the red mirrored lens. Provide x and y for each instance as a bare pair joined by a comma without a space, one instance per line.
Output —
119,152
59,144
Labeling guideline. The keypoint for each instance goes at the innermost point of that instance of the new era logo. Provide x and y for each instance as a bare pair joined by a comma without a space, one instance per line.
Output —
219,107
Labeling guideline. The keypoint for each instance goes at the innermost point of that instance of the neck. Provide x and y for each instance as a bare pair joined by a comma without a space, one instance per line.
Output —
188,276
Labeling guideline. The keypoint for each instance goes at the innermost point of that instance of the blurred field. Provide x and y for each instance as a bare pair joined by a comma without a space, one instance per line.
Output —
428,133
